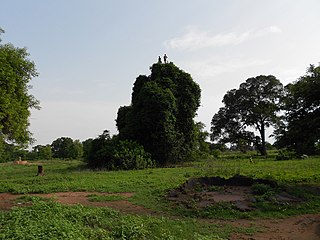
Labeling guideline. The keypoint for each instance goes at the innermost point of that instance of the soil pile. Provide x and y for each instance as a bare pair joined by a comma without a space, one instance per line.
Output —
239,190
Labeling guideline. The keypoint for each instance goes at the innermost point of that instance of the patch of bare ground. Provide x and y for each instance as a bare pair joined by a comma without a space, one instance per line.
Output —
303,227
8,200
202,192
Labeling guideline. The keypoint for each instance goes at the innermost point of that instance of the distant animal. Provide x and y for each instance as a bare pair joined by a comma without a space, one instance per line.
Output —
20,162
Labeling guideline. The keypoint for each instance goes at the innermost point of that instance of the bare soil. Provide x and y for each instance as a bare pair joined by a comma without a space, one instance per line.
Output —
303,227
204,191
8,200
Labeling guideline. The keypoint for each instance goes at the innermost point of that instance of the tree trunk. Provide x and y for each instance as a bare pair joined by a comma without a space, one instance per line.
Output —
40,170
263,140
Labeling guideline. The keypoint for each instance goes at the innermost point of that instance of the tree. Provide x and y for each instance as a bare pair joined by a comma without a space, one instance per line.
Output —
300,129
42,152
16,71
254,105
86,146
161,113
202,135
65,147
99,150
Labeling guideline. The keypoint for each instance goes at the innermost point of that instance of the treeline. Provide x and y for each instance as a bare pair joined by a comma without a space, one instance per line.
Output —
62,148
261,102
157,128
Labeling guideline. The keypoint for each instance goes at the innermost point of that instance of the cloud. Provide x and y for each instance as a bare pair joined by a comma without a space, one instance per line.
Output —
207,69
195,39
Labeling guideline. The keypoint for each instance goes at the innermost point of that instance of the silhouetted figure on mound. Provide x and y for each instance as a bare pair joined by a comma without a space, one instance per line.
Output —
165,57
159,60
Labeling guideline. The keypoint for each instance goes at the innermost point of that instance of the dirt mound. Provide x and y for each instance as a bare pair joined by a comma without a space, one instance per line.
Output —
239,190
237,180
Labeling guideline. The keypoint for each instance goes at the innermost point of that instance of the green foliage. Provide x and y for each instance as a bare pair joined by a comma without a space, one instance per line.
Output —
161,114
86,145
301,129
254,104
216,153
16,71
65,147
285,154
41,152
202,147
49,220
115,154
261,189
131,155
11,152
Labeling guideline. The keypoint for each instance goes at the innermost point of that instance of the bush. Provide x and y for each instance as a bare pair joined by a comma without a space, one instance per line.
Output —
261,189
115,154
216,153
285,154
128,154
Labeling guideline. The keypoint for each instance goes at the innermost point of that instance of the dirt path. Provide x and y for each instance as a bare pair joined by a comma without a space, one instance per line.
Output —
303,227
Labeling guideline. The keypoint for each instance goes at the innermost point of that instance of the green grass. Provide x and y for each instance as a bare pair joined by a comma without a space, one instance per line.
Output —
50,220
149,187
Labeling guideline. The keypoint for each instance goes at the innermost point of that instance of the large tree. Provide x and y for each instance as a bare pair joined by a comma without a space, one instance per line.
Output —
300,129
16,71
253,106
161,113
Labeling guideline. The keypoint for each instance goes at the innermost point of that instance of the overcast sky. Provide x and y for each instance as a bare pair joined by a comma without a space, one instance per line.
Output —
89,52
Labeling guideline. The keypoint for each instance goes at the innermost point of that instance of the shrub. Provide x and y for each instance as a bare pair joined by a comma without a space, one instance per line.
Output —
128,154
115,154
260,189
284,154
216,153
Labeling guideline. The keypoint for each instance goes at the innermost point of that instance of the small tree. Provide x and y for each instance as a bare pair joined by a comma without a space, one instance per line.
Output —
255,104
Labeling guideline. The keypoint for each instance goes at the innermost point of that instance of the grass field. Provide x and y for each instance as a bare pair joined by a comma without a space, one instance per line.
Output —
51,220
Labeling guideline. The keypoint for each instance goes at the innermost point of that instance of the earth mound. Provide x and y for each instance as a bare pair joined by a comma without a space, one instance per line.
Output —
241,191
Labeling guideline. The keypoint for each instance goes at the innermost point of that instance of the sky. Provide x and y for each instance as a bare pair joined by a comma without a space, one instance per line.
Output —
89,52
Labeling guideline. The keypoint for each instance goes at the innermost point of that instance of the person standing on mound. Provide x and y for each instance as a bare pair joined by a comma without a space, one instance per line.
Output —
165,57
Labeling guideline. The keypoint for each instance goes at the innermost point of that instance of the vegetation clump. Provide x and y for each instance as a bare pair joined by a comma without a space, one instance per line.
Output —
160,117
114,154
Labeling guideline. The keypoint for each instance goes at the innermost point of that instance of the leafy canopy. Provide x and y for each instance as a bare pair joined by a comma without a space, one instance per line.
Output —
66,147
253,106
16,71
300,129
161,113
